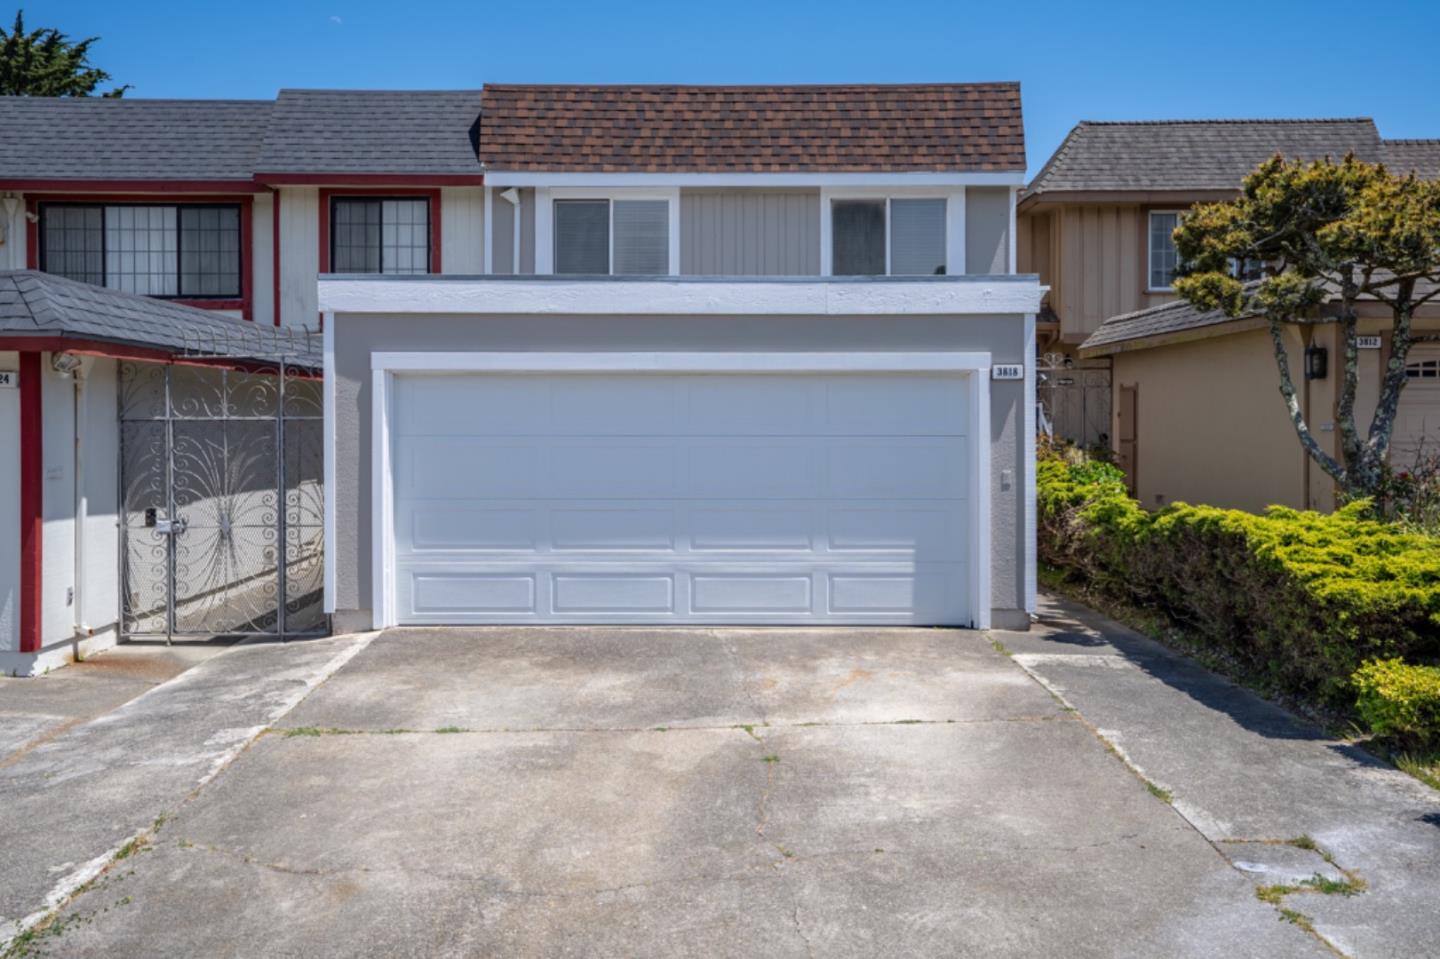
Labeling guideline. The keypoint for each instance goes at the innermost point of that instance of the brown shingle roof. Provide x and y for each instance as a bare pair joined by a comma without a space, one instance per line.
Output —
737,129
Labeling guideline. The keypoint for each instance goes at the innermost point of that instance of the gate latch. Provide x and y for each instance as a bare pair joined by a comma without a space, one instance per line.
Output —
170,527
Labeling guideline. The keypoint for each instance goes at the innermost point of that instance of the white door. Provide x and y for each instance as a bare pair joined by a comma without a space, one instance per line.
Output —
1417,419
669,498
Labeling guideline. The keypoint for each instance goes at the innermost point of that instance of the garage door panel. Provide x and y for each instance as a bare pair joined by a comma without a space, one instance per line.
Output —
440,594
892,406
434,528
647,593
937,533
612,528
745,499
920,468
754,527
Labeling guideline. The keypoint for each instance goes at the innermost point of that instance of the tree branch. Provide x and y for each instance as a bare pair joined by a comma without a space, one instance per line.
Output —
1292,406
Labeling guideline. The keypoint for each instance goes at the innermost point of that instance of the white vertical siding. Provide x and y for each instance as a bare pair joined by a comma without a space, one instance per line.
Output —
299,256
262,259
12,253
9,512
462,230
100,481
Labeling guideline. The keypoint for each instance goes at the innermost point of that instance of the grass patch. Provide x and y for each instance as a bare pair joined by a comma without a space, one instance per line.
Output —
458,729
1427,770
772,758
136,845
1164,795
1324,885
317,731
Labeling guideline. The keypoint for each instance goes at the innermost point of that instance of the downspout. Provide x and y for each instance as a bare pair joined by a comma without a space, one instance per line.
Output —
82,630
512,196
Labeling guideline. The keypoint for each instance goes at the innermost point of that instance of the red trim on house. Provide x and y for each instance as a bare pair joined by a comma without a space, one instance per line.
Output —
275,253
370,179
244,303
231,187
121,351
399,191
32,501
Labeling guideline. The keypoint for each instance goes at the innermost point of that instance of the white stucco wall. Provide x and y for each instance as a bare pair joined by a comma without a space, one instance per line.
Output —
9,511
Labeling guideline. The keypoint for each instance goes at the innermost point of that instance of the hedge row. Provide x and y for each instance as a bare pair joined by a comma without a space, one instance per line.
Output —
1304,598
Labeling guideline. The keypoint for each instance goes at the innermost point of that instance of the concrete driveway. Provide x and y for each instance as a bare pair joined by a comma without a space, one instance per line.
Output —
628,792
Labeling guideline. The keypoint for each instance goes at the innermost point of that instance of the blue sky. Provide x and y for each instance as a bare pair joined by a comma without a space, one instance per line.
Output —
1125,60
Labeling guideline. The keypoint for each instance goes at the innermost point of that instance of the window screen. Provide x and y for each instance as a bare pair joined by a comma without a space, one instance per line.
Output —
858,237
1163,258
917,237
582,236
372,235
155,250
642,237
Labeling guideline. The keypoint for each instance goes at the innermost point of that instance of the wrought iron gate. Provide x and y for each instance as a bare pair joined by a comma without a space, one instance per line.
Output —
221,500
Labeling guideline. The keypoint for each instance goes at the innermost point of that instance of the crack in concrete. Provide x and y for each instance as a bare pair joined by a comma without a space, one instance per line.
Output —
313,732
1114,749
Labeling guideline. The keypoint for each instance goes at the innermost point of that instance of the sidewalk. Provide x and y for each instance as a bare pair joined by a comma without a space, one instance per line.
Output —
1253,779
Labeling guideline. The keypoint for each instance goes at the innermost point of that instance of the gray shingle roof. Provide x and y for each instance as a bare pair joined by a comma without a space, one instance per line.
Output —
1180,155
1421,157
123,139
375,132
1177,317
41,304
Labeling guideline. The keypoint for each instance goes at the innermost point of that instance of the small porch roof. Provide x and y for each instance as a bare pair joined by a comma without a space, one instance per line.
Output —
38,307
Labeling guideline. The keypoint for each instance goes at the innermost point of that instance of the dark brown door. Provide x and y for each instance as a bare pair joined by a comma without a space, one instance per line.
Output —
1126,434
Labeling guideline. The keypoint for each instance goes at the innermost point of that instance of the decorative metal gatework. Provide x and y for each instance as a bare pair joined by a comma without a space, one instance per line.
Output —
222,499
1074,401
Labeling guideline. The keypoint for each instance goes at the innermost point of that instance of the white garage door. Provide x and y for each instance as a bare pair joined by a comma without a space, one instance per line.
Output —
702,498
1417,419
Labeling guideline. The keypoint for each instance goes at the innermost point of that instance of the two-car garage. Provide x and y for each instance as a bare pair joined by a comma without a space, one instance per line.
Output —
720,495
746,452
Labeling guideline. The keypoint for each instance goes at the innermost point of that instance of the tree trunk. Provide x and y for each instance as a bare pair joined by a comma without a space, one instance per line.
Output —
1377,447
1297,417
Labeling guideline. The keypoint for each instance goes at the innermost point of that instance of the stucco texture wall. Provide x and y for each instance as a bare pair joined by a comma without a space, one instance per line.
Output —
357,336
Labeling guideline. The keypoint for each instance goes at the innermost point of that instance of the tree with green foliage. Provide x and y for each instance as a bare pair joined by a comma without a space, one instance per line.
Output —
1330,235
46,63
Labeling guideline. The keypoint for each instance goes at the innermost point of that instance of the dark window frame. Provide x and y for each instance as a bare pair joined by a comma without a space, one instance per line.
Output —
379,199
180,296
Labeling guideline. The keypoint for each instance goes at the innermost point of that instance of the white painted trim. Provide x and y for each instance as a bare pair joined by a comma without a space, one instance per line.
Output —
504,178
980,514
385,366
544,234
672,362
1028,490
827,233
955,252
1150,250
382,510
1013,264
488,239
327,428
680,297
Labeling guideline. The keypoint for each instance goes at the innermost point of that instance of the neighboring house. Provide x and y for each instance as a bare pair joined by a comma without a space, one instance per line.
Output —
713,354
1189,401
122,413
745,377
237,206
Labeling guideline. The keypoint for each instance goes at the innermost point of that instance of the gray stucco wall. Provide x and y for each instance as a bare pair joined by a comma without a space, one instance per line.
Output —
358,335
987,230
750,232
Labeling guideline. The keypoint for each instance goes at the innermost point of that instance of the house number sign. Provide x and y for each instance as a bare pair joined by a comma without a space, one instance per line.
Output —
1007,371
1367,342
9,380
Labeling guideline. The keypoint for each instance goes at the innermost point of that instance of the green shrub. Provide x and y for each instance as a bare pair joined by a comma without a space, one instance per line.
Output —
1301,597
1400,701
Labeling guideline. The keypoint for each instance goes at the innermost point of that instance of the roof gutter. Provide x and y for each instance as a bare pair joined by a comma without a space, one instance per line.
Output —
265,180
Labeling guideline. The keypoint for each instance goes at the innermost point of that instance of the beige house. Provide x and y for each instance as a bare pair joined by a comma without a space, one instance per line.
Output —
1189,400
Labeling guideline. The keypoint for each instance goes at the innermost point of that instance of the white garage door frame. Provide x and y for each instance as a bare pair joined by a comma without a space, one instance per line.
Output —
972,366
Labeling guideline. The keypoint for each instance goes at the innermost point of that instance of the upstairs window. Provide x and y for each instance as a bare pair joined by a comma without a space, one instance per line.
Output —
379,235
605,236
1164,259
898,237
165,250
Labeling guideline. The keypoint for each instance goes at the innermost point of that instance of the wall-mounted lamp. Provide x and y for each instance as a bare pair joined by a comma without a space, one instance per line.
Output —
11,202
65,363
1317,362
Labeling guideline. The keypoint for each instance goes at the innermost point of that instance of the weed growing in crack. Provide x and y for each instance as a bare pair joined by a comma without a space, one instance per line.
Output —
771,758
462,729
1296,918
1164,795
1303,842
1000,647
